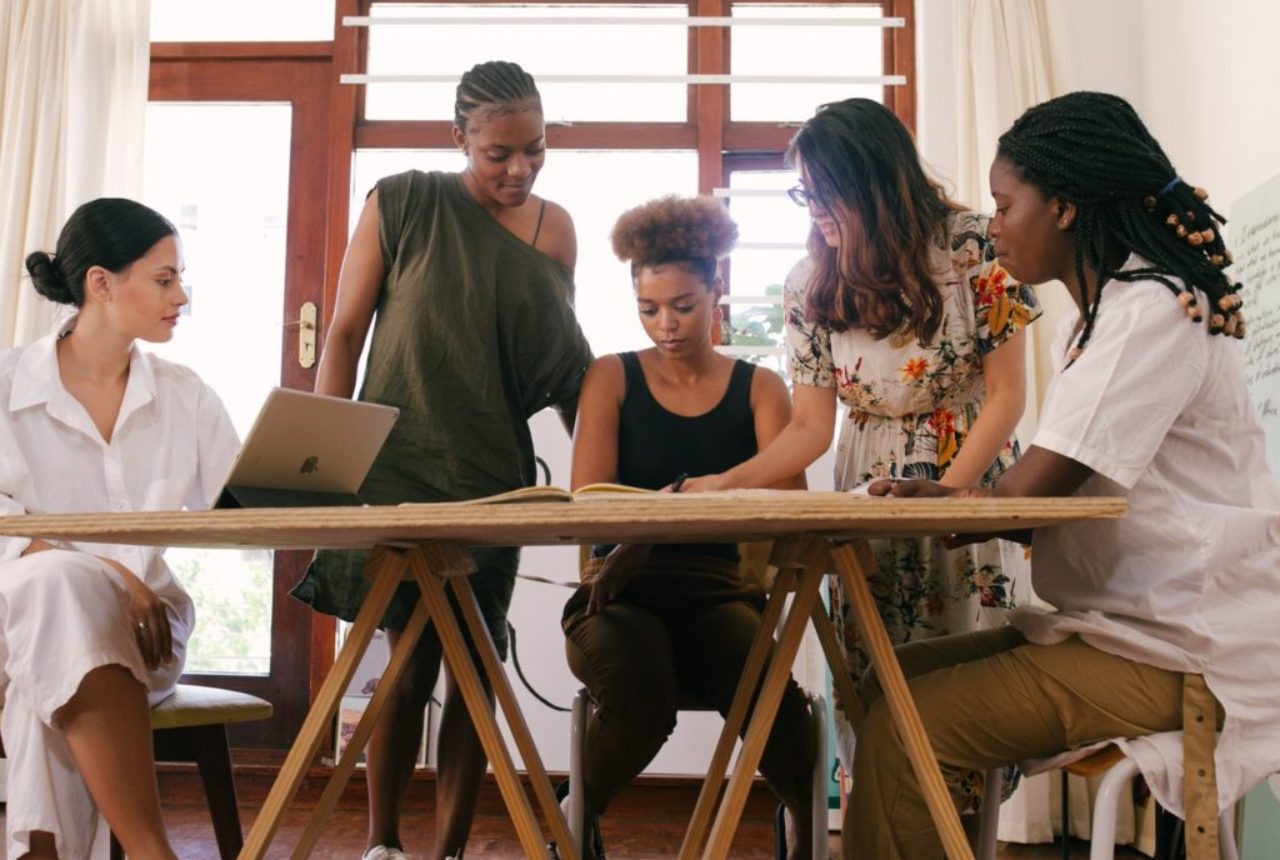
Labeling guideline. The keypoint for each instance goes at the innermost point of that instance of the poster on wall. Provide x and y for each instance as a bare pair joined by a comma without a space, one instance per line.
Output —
1253,236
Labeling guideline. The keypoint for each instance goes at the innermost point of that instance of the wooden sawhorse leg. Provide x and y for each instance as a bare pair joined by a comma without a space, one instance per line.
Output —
384,568
854,562
478,704
428,565
809,557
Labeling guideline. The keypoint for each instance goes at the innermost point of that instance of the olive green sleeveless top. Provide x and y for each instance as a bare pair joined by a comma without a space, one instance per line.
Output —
474,333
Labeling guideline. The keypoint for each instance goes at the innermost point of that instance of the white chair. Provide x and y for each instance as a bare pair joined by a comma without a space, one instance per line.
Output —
1119,771
578,737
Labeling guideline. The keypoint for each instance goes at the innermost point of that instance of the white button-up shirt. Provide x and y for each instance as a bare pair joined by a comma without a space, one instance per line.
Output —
172,447
1189,580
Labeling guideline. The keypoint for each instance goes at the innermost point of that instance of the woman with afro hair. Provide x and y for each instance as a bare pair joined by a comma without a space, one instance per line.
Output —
654,628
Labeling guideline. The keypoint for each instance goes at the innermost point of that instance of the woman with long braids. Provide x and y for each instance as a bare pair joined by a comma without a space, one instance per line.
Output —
1159,613
467,279
901,316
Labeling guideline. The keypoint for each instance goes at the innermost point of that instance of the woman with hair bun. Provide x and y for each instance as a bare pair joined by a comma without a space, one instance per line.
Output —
92,635
655,627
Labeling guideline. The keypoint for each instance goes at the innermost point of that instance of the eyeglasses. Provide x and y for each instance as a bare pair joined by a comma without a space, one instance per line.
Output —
800,196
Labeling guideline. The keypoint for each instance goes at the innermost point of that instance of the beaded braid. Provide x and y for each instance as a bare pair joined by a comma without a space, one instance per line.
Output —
1092,150
494,85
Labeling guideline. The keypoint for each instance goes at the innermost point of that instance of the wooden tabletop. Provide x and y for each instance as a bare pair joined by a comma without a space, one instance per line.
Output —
734,515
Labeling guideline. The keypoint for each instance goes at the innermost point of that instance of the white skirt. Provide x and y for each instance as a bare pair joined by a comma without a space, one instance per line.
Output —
62,615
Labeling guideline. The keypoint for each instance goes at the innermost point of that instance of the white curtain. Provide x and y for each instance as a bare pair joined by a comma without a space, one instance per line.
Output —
1003,66
73,95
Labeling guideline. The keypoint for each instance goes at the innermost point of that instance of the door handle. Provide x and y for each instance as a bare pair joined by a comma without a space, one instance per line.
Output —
306,323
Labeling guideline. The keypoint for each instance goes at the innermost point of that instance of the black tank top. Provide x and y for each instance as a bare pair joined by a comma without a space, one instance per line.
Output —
656,446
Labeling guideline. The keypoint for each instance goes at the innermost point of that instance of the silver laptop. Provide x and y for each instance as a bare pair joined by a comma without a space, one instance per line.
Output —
306,449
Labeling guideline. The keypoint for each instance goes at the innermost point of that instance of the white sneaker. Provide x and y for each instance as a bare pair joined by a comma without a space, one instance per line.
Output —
385,852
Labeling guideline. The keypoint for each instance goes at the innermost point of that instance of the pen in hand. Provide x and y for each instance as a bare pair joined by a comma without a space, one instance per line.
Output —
679,482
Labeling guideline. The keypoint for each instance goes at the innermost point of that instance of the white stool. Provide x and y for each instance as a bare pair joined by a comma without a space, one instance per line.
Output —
1118,769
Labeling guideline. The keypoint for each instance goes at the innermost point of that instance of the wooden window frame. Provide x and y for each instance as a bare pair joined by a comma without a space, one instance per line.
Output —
721,145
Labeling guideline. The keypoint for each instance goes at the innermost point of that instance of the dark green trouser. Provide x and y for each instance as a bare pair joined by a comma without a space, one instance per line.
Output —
643,660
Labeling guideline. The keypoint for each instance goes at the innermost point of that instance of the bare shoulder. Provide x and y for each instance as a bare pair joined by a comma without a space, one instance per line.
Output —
558,239
767,386
605,374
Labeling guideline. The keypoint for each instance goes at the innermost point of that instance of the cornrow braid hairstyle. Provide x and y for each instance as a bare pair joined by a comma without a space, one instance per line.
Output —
1092,150
497,86
693,231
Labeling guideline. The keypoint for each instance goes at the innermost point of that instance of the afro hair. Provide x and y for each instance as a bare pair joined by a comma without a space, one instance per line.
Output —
674,229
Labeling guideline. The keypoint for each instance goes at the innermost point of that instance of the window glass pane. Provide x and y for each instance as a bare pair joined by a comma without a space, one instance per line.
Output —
242,21
595,187
822,49
771,236
220,172
541,50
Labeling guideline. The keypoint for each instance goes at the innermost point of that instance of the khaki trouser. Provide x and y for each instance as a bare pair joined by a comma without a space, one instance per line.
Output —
987,699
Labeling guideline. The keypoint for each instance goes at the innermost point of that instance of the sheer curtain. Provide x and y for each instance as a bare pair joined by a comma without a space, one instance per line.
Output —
73,96
1003,65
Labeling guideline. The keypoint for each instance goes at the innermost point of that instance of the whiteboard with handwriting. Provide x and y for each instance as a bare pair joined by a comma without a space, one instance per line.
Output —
1253,235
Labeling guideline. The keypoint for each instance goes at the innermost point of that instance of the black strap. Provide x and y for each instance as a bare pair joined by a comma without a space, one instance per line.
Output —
537,231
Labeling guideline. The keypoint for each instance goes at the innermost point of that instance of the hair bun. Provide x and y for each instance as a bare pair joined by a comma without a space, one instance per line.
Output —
47,280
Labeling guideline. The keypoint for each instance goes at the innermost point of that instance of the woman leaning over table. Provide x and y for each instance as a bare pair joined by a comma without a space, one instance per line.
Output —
467,280
901,314
92,635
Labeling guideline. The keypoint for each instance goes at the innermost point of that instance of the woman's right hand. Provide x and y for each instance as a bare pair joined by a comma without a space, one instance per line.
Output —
619,566
148,618
701,484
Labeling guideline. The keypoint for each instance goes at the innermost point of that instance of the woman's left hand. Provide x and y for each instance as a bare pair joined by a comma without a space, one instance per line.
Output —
148,617
619,566
910,489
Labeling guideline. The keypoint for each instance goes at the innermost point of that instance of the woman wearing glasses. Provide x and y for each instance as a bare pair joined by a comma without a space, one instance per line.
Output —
901,314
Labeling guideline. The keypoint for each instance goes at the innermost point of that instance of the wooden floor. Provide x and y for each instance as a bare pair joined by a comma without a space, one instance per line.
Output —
626,838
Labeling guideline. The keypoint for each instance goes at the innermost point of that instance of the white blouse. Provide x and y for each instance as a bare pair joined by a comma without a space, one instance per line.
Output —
172,446
1189,580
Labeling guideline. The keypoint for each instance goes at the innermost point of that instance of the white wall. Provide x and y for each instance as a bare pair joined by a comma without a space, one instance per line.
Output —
1210,74
1202,75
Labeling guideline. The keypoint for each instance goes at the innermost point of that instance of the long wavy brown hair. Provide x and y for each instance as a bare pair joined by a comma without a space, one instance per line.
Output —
861,165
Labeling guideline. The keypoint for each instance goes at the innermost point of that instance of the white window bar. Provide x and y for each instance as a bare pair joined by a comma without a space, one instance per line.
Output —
575,20
742,351
886,80
750,192
732,299
770,246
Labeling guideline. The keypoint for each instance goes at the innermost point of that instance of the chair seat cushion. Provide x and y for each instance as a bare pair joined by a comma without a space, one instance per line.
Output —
192,705
1082,761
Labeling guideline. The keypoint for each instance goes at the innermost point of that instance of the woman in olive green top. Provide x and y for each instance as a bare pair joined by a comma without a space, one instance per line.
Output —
468,281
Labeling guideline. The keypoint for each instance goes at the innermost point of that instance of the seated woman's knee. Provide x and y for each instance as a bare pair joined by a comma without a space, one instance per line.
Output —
69,583
647,709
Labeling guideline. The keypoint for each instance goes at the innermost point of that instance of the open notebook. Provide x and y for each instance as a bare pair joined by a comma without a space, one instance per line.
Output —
553,494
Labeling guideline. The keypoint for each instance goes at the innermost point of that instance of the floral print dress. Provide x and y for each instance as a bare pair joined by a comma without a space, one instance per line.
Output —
909,406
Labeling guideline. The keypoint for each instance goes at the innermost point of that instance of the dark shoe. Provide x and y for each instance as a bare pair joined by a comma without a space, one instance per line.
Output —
780,833
597,844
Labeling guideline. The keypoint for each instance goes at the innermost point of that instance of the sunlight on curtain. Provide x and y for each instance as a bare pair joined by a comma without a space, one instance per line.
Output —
1002,67
73,91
